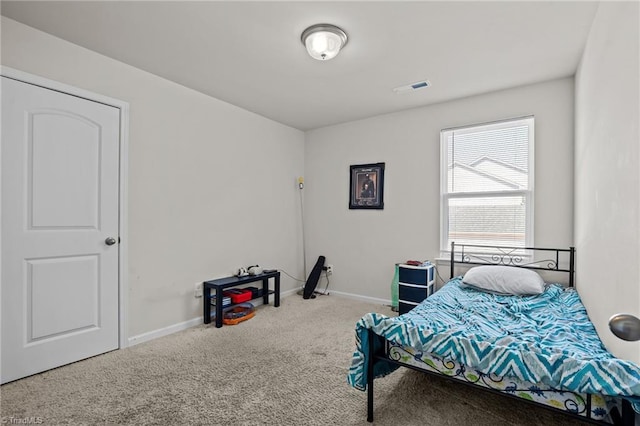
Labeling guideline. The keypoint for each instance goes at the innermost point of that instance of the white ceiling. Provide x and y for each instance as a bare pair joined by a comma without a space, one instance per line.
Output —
250,54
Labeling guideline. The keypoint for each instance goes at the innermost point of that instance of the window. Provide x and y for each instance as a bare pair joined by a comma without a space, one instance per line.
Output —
487,184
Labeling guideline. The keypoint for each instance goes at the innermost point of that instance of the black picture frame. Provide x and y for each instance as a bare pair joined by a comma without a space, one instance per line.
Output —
366,186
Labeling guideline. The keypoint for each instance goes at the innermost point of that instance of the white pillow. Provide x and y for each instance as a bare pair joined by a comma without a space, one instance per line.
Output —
504,280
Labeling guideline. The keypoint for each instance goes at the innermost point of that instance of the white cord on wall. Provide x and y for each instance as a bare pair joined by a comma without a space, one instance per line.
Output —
304,248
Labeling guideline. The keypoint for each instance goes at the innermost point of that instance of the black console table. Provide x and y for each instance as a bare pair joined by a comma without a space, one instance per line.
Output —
222,283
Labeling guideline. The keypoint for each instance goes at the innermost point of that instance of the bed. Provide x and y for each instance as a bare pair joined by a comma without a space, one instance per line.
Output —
540,348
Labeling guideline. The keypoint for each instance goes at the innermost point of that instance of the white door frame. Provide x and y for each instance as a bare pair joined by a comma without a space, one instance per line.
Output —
123,283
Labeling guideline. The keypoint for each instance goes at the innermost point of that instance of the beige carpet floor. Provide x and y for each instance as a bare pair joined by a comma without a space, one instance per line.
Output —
286,366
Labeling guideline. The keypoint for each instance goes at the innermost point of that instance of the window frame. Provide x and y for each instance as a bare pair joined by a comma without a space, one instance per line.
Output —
528,194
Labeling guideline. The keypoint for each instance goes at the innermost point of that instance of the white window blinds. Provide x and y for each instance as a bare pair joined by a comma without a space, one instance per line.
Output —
487,184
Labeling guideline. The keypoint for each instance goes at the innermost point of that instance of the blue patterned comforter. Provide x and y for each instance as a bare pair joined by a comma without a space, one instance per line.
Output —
546,338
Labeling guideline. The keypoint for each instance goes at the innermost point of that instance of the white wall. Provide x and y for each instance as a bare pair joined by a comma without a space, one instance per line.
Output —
363,245
607,171
211,186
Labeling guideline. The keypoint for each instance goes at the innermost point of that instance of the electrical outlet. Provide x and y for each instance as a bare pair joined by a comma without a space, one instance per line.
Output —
329,269
198,292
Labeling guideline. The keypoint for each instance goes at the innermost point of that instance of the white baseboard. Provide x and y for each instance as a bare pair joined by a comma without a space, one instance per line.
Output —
165,331
360,297
287,293
161,332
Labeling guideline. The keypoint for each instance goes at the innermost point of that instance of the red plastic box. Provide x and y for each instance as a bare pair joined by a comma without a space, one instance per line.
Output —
238,295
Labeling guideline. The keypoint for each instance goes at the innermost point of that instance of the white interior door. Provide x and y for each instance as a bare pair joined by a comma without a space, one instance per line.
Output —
60,160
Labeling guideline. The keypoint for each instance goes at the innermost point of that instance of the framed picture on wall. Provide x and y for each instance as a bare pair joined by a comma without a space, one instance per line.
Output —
367,186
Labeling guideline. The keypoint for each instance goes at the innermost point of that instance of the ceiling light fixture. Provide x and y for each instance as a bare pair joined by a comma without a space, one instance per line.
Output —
323,41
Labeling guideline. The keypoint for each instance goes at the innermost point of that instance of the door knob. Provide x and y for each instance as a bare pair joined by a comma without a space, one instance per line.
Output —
625,326
110,241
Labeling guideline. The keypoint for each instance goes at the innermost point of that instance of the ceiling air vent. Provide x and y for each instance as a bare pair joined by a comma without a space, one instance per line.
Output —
412,87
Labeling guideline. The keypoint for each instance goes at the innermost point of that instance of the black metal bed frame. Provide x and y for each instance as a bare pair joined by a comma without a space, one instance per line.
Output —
513,256
507,256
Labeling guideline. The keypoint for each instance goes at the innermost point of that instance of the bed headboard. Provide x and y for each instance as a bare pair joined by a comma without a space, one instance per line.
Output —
545,259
